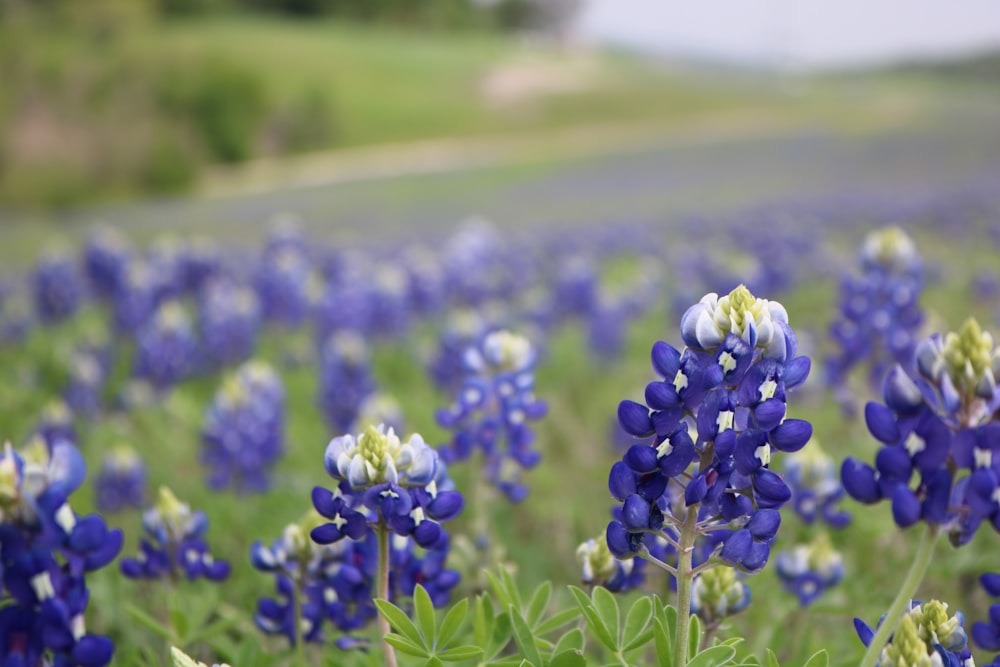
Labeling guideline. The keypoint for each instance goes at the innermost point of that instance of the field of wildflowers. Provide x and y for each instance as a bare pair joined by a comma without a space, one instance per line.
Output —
511,447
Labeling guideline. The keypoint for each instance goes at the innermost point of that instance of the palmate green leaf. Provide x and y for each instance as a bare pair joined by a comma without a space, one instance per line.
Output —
433,661
502,630
524,639
572,658
606,607
464,652
694,636
818,659
636,620
557,620
539,601
597,627
400,622
713,657
423,609
452,623
404,645
641,640
772,659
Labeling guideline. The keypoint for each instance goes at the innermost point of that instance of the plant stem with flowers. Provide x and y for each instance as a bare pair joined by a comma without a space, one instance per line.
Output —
383,590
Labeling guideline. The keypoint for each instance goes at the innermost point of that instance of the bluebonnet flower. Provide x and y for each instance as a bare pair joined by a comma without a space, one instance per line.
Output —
599,567
447,365
243,435
174,544
201,261
492,411
809,570
717,594
228,320
58,286
46,550
55,424
166,348
83,393
425,280
284,286
926,637
986,633
879,312
137,295
304,574
408,568
345,378
389,302
938,433
105,257
121,481
402,484
815,483
708,429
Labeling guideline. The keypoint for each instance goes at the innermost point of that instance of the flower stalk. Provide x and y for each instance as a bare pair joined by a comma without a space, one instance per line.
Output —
383,591
921,561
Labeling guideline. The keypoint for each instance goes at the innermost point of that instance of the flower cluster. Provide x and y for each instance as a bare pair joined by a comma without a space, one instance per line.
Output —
808,570
933,427
986,634
710,426
926,637
174,543
717,594
121,481
815,483
879,313
243,435
57,285
493,409
46,550
345,378
599,567
229,317
166,347
400,485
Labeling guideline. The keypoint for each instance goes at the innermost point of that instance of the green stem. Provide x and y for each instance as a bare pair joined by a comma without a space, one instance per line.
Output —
922,560
299,639
684,574
383,591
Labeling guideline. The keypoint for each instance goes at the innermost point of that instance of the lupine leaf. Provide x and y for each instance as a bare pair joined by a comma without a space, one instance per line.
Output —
502,630
512,661
179,621
539,600
452,623
524,638
597,627
713,657
152,624
464,652
772,659
482,620
572,640
512,592
423,609
664,645
606,607
818,659
694,635
572,658
582,598
636,621
433,661
406,646
557,620
639,640
498,590
400,622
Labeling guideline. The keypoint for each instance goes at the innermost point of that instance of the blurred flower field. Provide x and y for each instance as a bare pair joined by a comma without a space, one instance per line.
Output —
203,435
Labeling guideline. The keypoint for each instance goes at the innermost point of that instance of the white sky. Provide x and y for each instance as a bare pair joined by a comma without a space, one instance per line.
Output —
803,33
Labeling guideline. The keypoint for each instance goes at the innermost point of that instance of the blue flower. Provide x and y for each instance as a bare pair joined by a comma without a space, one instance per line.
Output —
808,570
58,287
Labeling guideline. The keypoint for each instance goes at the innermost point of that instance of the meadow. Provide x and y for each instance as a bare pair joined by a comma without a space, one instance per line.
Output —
635,281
